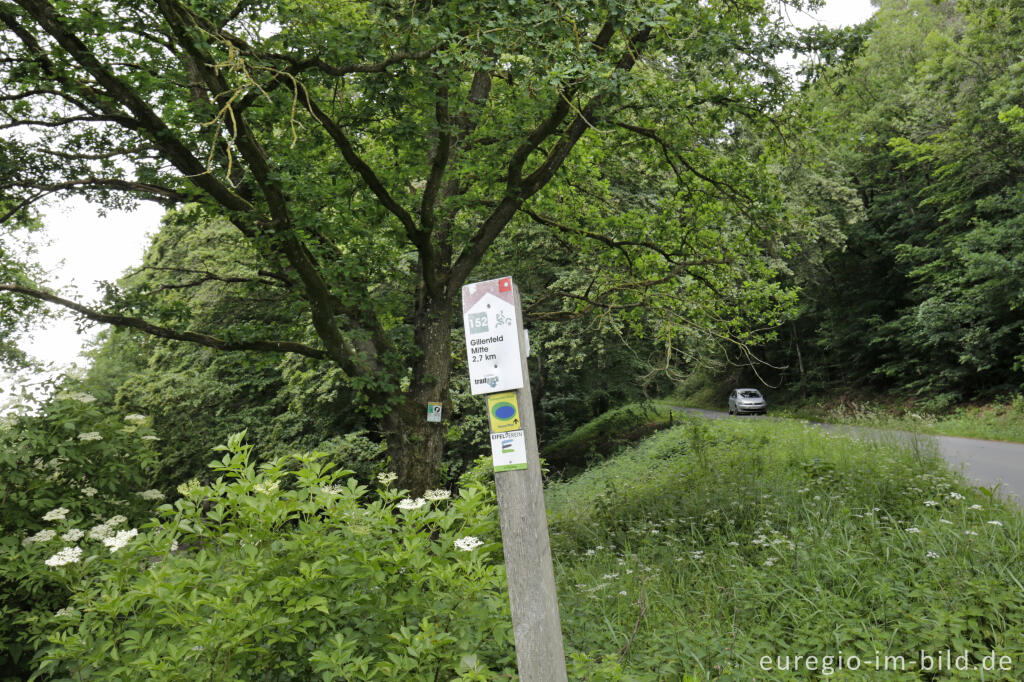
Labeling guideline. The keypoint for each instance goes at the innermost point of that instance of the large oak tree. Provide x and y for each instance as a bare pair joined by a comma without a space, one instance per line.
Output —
373,155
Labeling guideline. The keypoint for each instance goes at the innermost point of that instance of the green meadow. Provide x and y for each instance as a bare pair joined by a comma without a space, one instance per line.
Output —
725,550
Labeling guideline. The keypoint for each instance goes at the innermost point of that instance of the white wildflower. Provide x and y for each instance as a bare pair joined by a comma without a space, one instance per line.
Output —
697,556
622,593
590,552
955,496
266,488
932,555
976,507
970,532
57,514
151,494
73,535
387,479
150,438
90,435
67,612
409,503
995,523
68,555
609,576
89,491
100,532
80,397
913,530
189,487
468,543
44,535
770,561
332,489
734,544
116,520
135,418
437,494
120,539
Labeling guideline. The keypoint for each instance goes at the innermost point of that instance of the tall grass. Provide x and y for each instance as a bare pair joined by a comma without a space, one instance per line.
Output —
713,545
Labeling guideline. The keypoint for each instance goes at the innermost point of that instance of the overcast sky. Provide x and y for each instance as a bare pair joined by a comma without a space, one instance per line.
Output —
85,248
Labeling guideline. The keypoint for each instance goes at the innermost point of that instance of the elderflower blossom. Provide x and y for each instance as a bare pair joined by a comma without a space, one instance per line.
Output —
409,503
120,539
44,535
116,520
89,491
437,494
68,555
80,397
135,418
73,535
100,532
150,438
189,487
468,543
387,479
266,488
90,435
332,489
57,514
152,494
67,612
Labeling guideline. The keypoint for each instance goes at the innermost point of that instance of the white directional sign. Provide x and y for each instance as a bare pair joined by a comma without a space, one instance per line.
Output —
492,337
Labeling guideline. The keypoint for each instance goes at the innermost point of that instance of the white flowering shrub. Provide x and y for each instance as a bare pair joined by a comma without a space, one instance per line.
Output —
287,571
65,474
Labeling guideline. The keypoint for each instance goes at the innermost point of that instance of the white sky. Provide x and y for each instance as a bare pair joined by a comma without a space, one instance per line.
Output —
85,248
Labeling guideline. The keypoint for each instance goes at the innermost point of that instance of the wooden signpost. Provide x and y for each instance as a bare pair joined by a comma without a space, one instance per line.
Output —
495,340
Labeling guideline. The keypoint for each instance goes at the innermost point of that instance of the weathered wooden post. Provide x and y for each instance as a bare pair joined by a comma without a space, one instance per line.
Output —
495,344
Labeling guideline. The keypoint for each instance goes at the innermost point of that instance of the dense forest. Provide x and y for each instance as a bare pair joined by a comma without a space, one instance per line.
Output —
668,198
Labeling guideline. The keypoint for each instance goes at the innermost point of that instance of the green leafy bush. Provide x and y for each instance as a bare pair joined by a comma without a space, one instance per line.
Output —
283,571
72,476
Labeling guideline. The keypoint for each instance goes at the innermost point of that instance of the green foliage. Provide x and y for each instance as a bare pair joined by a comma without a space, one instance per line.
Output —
784,540
65,473
923,291
1000,420
285,570
601,436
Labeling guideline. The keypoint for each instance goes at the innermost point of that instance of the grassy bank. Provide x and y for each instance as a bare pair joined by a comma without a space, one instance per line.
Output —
996,421
712,545
602,436
1000,420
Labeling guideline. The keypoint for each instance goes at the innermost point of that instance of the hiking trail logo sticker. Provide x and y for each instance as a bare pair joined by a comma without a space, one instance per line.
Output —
503,412
508,450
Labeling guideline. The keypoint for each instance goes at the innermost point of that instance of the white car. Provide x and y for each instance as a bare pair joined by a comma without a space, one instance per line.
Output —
747,401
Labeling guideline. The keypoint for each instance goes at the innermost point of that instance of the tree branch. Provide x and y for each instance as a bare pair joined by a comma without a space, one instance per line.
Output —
165,332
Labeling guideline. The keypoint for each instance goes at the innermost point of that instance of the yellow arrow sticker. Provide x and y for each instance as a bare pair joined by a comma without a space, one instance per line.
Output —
503,412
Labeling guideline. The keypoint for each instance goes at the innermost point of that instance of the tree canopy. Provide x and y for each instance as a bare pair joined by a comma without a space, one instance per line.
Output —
370,156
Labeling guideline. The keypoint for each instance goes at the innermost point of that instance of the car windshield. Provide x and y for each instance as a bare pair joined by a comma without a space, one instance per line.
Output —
749,394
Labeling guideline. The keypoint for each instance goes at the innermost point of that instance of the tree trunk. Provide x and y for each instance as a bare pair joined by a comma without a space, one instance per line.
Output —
414,444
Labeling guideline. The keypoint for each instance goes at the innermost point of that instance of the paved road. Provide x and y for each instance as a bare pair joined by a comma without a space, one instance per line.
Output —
986,463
